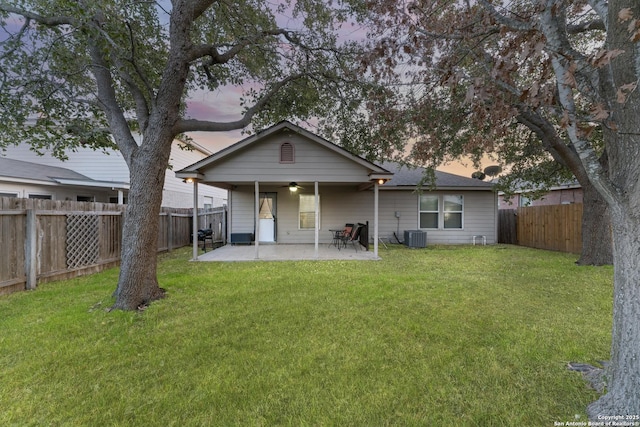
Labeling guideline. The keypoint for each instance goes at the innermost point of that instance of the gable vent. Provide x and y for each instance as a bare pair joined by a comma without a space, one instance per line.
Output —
287,153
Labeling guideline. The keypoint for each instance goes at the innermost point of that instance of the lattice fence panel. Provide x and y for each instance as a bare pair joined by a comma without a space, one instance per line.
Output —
82,240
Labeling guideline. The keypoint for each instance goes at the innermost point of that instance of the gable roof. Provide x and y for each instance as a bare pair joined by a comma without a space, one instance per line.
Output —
410,177
28,170
397,176
20,170
284,126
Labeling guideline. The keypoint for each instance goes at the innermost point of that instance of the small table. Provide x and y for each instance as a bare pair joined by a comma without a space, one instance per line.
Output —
337,237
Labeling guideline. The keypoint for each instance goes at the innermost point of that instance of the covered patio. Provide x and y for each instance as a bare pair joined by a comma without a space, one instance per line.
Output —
289,187
284,252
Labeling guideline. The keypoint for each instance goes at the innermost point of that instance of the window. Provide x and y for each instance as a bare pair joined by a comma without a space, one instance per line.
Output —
429,211
452,212
208,202
441,212
8,194
115,200
287,153
85,199
524,200
40,196
307,211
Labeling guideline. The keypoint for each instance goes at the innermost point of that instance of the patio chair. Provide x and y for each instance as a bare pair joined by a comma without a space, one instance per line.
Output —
340,234
353,237
348,228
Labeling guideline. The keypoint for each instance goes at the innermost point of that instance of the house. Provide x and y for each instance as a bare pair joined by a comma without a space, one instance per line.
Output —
289,186
36,181
93,175
564,194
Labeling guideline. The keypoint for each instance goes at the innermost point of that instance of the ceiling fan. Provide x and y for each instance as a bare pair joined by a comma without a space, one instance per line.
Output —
293,186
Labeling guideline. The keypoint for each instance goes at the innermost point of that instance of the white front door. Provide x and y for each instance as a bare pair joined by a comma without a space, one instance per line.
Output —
267,217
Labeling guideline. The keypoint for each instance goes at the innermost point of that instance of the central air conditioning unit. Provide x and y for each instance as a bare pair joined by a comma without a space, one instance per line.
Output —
415,238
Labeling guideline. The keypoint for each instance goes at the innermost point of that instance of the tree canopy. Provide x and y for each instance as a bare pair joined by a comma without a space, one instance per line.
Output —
544,85
75,72
84,73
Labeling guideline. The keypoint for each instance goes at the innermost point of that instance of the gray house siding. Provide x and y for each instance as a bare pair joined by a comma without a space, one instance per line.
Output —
479,216
338,205
261,162
345,204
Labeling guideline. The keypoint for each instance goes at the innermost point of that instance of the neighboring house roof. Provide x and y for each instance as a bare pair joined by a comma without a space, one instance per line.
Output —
18,170
410,177
521,187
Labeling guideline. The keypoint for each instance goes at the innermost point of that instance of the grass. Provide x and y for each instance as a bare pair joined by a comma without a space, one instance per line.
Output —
440,336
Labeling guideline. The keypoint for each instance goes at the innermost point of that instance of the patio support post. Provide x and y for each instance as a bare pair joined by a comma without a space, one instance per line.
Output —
195,220
256,237
375,218
317,225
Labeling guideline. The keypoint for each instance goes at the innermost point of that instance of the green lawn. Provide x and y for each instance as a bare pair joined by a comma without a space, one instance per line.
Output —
437,336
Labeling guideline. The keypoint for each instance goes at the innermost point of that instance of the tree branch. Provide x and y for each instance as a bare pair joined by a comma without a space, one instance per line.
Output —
15,38
216,57
601,8
583,27
589,159
192,125
556,146
109,104
552,25
196,8
50,21
142,108
503,20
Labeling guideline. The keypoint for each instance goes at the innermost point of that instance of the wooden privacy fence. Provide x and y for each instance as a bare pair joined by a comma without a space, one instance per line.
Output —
508,226
555,227
216,220
43,240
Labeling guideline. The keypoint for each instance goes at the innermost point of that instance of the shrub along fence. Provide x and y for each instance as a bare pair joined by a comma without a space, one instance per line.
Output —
43,240
553,227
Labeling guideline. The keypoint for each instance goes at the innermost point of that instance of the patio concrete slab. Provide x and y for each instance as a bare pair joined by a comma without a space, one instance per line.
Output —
282,252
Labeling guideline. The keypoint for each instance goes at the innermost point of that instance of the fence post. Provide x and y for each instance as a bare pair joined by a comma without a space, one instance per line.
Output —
31,249
169,231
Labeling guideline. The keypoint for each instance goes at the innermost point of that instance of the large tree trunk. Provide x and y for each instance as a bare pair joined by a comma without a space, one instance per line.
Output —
622,192
596,221
623,372
138,282
596,229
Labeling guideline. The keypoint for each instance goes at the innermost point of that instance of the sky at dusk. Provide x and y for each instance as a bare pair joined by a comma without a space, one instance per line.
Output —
224,106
